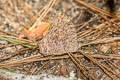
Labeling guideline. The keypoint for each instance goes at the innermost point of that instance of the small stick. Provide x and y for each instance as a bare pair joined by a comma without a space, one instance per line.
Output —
48,7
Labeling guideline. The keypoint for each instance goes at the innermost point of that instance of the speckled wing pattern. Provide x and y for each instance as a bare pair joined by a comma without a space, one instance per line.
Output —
61,37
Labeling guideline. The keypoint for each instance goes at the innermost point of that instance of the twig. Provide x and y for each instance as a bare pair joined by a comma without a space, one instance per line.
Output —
43,14
19,41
